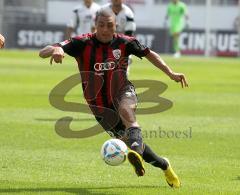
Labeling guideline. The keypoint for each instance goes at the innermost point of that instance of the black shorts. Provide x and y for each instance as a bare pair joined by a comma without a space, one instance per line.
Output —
110,119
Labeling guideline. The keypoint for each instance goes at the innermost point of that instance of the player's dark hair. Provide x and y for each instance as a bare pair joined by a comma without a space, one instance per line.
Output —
104,12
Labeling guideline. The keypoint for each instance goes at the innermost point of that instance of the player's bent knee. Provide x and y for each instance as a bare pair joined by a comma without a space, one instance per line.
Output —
127,114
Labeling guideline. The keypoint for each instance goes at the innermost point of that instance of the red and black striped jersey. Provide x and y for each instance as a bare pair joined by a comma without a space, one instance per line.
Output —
103,66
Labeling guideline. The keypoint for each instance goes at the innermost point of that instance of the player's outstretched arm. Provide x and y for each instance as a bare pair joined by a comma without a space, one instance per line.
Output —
156,60
56,53
2,41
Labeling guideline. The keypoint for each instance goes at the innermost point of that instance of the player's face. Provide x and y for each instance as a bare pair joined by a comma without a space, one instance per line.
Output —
117,2
105,28
88,2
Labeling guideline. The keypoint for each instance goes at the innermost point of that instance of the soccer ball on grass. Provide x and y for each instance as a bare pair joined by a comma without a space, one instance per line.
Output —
114,152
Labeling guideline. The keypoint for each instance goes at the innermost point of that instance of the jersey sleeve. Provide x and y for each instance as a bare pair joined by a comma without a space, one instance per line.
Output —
137,49
73,46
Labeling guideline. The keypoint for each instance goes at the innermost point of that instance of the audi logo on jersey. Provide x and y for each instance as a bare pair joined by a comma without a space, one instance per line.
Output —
104,66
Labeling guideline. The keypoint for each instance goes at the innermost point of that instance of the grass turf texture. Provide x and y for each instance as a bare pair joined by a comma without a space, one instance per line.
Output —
34,159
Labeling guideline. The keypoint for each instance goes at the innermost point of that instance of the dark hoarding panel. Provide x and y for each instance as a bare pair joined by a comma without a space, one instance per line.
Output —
192,42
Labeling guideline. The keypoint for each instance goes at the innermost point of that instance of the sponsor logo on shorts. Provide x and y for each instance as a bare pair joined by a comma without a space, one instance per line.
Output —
129,94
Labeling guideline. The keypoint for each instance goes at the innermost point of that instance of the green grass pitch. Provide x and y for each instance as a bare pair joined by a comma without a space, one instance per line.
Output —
35,159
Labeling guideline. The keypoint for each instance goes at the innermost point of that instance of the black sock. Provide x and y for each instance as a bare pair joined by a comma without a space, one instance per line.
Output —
135,139
150,157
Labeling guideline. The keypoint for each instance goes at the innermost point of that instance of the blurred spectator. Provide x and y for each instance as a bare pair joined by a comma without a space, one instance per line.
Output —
124,16
82,18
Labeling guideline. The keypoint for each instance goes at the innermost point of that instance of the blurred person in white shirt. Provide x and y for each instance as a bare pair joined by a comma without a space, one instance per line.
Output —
82,19
124,17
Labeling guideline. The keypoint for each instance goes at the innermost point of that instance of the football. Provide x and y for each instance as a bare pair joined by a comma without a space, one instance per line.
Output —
114,152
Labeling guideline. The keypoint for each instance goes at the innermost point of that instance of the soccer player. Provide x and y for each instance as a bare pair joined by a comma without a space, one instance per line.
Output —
101,58
82,18
176,12
2,41
124,19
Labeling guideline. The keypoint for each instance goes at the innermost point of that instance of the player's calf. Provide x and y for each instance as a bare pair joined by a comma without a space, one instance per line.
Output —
134,139
150,157
134,142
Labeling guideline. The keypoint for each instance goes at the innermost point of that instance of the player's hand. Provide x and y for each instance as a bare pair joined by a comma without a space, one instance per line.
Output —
2,41
57,55
179,77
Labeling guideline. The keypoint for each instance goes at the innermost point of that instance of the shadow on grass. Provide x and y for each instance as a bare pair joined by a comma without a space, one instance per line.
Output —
237,178
55,119
51,190
87,191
